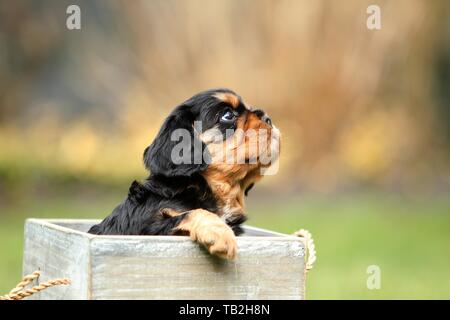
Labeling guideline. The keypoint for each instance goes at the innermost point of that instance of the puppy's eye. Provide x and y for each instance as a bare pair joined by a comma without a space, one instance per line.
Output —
228,117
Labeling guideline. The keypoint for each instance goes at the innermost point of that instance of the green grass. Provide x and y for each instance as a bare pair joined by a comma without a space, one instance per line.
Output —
408,239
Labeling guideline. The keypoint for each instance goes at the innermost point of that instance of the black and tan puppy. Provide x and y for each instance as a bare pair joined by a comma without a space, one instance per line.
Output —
202,163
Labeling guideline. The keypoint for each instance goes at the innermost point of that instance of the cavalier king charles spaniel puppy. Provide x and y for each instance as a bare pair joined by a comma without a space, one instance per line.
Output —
207,155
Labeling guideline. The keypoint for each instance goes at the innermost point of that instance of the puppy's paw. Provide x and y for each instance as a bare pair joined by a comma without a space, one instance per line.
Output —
219,240
209,230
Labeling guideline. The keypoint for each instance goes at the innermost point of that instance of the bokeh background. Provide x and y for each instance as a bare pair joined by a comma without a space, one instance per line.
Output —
365,117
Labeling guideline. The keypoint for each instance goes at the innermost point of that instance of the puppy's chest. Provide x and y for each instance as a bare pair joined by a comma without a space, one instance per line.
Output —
230,199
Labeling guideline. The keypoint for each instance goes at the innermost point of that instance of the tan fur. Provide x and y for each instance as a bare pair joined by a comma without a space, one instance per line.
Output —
209,230
228,183
170,212
229,98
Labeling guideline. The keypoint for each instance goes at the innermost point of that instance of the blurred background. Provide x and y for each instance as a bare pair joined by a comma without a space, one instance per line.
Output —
365,117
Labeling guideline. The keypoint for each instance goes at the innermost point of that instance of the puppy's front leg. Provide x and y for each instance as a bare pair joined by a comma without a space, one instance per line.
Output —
208,229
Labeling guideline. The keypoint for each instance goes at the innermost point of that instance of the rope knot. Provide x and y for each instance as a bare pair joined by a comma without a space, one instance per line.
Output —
310,247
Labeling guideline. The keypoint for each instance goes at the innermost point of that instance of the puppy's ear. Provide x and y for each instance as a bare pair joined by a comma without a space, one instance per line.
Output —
176,150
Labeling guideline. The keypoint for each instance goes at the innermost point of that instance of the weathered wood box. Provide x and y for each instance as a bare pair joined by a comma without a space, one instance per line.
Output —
269,265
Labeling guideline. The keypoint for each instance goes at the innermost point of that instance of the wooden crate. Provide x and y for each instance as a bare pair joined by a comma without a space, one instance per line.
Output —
269,265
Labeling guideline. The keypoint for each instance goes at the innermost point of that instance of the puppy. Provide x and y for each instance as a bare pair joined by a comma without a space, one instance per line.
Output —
202,162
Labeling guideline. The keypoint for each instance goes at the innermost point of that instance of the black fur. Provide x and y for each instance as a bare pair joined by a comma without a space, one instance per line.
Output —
180,187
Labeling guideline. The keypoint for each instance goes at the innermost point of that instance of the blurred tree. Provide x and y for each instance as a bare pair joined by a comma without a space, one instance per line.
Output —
355,106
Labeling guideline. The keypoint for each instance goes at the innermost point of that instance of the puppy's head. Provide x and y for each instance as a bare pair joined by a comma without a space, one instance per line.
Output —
214,133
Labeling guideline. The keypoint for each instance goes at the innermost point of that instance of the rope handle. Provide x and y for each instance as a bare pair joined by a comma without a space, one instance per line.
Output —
310,247
19,292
